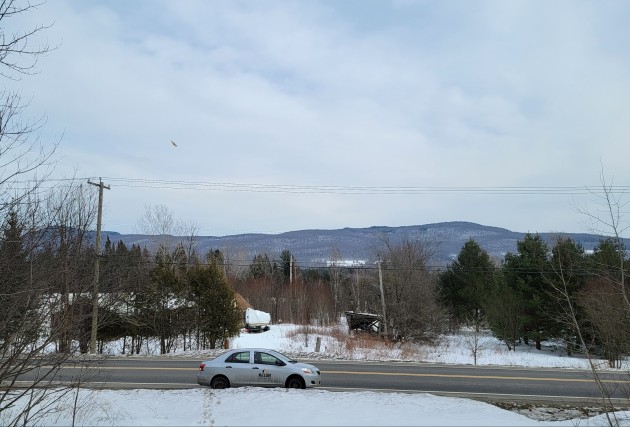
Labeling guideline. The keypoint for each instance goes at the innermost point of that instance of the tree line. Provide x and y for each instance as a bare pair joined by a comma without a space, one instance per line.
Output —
172,296
187,301
561,293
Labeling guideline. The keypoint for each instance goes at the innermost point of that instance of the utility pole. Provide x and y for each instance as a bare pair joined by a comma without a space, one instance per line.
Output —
380,280
291,267
100,186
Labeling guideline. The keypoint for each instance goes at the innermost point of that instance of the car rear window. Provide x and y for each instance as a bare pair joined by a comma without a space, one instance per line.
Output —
240,357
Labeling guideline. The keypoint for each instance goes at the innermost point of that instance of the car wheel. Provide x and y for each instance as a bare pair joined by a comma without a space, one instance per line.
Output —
219,382
295,382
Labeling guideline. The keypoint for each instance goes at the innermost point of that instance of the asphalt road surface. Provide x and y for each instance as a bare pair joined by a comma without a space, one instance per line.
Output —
478,382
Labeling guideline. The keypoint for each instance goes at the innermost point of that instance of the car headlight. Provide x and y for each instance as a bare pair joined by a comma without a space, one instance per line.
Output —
307,370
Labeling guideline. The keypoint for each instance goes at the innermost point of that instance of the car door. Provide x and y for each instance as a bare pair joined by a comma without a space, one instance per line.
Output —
268,370
238,369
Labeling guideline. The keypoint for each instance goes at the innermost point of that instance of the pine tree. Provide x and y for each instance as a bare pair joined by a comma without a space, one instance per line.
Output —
164,294
260,267
466,282
505,310
218,315
568,276
525,273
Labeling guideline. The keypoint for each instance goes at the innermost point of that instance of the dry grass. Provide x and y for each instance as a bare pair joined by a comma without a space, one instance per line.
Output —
339,342
410,351
295,333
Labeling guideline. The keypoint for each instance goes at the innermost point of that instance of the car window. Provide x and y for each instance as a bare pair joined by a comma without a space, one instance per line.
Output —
239,357
264,358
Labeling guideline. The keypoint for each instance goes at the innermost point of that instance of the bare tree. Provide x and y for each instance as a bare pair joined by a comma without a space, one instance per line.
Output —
335,273
322,304
413,311
473,339
605,300
609,320
71,214
167,232
505,312
25,160
299,303
190,231
43,258
561,286
608,219
158,222
27,301
235,263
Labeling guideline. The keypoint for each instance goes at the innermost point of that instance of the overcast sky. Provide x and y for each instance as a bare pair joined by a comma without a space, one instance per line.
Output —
293,115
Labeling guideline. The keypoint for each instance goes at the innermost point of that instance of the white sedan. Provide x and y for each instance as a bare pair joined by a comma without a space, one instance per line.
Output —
257,367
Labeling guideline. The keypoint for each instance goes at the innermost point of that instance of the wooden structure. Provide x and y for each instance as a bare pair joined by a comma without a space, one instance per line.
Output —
366,322
241,302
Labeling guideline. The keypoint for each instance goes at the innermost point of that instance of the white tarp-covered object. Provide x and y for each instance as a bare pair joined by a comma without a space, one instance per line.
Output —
256,318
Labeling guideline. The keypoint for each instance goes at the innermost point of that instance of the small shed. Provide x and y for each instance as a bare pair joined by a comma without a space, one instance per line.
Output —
367,322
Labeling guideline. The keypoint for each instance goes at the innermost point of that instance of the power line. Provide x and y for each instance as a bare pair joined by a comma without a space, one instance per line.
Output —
161,184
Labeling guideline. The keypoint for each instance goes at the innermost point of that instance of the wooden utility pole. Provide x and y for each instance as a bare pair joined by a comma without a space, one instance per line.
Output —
100,186
291,269
380,280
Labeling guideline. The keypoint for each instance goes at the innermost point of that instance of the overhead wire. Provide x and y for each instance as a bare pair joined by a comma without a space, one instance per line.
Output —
161,184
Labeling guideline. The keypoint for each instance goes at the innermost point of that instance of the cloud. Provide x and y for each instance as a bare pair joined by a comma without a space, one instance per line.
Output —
340,93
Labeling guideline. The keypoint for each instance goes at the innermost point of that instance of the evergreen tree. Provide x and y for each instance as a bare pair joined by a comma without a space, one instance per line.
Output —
568,276
466,282
606,260
216,257
261,267
505,310
285,265
139,292
218,315
164,295
526,273
603,300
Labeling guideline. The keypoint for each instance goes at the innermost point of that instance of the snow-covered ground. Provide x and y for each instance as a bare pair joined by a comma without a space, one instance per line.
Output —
256,406
452,349
336,343
281,407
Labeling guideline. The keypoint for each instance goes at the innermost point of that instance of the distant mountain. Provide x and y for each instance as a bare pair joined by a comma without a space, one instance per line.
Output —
314,247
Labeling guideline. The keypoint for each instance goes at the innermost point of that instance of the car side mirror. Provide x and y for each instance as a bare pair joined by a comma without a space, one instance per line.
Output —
280,363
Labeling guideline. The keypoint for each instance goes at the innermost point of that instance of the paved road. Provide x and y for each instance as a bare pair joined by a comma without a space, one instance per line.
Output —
485,383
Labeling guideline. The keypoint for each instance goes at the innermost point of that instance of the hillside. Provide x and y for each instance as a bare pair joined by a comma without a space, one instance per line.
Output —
314,247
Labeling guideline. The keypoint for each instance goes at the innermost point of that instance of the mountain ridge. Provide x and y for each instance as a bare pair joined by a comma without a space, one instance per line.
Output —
314,247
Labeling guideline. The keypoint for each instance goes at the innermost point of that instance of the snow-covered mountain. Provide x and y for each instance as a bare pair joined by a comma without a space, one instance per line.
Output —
315,247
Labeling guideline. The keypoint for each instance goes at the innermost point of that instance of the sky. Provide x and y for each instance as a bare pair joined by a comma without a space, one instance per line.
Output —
319,407
291,115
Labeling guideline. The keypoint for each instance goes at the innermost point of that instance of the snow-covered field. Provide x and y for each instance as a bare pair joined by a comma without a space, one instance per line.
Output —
255,406
453,349
335,344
